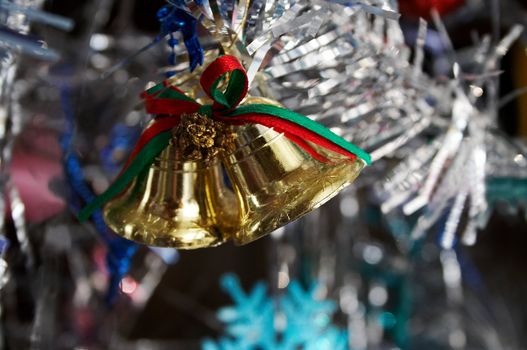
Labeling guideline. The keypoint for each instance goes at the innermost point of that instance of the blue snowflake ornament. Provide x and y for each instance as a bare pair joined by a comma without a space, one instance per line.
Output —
308,319
295,320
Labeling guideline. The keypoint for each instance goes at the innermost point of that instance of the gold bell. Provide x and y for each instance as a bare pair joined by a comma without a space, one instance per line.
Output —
277,182
181,204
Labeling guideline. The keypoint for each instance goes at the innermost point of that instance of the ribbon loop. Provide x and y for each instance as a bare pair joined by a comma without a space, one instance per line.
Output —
222,68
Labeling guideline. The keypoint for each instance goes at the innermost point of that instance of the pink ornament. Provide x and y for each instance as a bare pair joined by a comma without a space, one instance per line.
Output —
36,162
422,8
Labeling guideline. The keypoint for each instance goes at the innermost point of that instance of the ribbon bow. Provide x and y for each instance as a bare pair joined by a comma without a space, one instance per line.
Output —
171,102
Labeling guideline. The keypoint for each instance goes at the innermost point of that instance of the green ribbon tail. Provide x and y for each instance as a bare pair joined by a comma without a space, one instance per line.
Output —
143,160
305,122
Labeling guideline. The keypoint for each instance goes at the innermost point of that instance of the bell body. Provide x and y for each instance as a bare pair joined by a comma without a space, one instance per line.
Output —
277,182
181,204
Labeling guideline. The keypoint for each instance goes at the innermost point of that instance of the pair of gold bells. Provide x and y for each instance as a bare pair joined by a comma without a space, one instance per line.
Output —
259,183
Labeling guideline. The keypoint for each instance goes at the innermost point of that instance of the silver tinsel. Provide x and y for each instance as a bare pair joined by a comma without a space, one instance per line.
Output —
441,164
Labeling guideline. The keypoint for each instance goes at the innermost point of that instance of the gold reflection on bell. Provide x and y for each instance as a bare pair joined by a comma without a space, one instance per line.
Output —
181,204
277,182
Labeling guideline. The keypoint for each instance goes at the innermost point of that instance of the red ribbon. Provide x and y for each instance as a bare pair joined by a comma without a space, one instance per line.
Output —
173,108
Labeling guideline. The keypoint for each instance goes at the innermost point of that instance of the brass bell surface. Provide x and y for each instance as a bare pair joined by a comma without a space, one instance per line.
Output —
277,182
181,204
